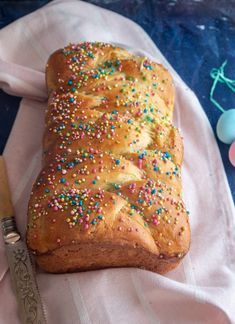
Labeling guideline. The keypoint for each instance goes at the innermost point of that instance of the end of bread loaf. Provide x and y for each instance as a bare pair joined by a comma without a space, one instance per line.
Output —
109,193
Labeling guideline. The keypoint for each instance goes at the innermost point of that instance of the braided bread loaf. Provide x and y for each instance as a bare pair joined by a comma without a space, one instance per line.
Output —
109,193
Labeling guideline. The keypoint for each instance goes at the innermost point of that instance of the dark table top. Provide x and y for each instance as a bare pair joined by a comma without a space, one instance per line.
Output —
194,36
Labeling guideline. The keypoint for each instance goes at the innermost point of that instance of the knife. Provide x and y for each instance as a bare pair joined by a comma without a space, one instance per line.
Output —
21,269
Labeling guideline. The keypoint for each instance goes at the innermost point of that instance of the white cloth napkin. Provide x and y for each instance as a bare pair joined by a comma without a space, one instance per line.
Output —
202,288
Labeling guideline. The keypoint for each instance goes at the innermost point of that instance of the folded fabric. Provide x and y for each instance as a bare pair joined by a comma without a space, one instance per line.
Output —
202,289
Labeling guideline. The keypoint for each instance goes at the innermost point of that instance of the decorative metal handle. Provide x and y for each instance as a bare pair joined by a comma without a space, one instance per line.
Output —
22,273
10,232
24,283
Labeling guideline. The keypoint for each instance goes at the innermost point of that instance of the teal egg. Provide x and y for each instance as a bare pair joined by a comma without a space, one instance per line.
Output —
225,128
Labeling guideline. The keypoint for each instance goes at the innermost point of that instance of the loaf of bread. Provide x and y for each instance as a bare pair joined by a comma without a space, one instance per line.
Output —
109,193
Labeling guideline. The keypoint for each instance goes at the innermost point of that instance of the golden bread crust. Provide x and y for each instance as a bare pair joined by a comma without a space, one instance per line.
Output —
109,193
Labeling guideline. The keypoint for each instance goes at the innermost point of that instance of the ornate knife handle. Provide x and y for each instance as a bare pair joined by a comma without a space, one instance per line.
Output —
24,283
10,232
21,268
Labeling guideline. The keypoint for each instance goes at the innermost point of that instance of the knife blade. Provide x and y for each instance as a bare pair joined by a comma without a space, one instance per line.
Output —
21,269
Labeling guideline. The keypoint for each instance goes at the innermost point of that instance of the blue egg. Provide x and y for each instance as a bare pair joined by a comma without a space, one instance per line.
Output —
225,128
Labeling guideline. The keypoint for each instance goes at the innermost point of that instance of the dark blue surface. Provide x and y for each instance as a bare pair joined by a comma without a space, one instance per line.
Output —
194,36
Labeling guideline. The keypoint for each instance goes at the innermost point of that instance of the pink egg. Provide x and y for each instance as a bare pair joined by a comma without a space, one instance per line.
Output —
231,154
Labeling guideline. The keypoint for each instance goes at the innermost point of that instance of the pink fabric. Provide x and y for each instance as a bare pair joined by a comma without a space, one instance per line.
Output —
202,289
